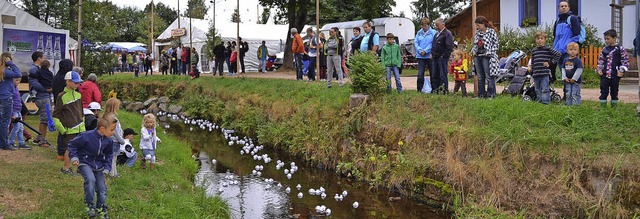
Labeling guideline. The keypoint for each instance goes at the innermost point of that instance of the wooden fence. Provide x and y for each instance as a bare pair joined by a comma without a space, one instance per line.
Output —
589,56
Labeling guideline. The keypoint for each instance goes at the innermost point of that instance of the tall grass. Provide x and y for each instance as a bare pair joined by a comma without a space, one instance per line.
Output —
425,144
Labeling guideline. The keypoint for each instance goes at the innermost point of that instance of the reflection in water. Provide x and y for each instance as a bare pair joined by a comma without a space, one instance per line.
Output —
257,197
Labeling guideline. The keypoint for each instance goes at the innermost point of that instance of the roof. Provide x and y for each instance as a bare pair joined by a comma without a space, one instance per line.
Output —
25,19
358,23
248,31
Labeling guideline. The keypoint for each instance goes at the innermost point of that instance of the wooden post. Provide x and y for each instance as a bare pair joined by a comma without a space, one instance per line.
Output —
79,55
317,40
179,17
238,39
473,34
150,47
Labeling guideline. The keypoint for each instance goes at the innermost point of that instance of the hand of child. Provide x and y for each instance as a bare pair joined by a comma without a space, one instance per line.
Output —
620,74
546,64
573,81
600,72
423,53
75,163
566,80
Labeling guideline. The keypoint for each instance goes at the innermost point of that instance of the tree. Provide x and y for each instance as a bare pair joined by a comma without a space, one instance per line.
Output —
235,17
195,9
402,14
433,9
371,9
332,11
264,17
295,11
163,11
213,39
143,28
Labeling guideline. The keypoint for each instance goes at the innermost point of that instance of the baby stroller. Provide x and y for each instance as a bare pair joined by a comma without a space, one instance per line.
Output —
271,63
508,68
529,93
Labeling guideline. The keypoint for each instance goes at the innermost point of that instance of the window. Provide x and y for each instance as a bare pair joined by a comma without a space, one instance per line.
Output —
574,6
529,13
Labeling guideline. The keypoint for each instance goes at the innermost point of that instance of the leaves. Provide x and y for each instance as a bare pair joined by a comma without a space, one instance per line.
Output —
367,74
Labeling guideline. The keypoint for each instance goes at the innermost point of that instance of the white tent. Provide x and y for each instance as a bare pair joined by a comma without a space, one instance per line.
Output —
403,28
16,22
273,35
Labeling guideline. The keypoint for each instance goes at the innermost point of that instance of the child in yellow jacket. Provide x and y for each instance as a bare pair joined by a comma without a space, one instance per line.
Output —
458,69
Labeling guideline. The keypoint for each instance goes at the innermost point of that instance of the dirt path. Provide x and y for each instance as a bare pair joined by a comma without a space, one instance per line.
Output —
627,93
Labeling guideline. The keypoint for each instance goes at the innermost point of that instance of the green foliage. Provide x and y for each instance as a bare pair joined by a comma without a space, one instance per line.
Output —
195,9
235,17
163,11
367,74
97,62
213,39
143,28
511,39
264,16
433,9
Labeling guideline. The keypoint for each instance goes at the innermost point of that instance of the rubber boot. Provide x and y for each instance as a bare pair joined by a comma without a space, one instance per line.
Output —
153,166
614,104
143,163
603,104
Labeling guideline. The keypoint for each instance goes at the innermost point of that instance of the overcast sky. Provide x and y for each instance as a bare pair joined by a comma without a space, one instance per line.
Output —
248,10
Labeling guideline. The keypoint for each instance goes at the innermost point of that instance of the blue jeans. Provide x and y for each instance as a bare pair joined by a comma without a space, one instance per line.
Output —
5,120
439,73
543,93
423,64
396,75
312,69
16,131
228,64
573,93
484,77
93,183
149,154
298,65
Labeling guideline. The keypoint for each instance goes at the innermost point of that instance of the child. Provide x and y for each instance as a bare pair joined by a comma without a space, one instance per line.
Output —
459,69
392,60
572,75
91,115
612,63
68,118
41,83
16,117
92,152
111,107
149,141
542,57
234,61
127,155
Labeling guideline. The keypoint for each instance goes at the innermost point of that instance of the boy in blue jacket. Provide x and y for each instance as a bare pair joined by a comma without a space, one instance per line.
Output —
92,152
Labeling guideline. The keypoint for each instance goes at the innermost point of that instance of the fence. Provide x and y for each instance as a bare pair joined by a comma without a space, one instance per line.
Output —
589,56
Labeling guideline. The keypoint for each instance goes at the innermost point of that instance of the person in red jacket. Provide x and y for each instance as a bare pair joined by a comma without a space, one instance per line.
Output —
234,62
183,58
90,91
297,48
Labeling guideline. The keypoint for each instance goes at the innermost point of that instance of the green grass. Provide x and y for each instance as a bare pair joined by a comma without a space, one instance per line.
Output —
168,192
490,141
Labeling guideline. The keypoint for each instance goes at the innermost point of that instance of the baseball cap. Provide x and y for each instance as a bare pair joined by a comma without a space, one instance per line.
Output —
94,106
73,76
129,131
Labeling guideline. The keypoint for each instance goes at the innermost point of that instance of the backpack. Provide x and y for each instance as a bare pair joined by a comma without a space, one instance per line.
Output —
583,30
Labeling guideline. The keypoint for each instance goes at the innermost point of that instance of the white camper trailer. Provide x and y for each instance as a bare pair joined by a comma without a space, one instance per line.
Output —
403,28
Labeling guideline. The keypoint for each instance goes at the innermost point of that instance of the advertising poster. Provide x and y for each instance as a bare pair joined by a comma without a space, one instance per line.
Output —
22,43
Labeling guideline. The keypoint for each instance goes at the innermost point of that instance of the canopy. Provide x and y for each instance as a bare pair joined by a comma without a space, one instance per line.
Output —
138,49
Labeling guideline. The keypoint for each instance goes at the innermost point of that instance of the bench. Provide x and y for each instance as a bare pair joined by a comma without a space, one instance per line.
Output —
31,106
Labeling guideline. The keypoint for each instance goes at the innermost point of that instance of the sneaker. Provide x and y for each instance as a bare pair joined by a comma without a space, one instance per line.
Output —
91,211
44,144
103,212
68,172
36,141
10,148
24,147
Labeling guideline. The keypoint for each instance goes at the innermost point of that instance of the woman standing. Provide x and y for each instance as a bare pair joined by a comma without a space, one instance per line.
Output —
8,71
485,52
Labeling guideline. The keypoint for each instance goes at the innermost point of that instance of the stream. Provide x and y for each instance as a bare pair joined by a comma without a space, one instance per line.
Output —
234,177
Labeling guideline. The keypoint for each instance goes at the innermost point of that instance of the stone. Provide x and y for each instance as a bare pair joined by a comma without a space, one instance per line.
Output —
175,108
150,101
125,103
153,108
164,99
355,100
135,107
162,106
163,119
183,114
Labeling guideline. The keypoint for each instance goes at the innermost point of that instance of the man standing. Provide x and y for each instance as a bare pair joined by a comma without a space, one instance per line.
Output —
244,48
195,58
297,48
565,30
313,53
370,40
174,62
41,83
263,53
441,51
180,62
219,52
423,43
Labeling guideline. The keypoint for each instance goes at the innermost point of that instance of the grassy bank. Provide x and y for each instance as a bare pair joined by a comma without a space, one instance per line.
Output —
33,187
486,158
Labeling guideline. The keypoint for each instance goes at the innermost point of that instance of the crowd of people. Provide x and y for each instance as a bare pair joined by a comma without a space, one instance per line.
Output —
88,136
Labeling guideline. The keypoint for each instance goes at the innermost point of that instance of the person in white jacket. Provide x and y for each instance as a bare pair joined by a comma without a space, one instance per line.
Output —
149,141
127,155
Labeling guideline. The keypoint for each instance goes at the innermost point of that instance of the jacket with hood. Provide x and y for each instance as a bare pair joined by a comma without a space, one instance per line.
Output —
564,33
58,82
92,149
6,84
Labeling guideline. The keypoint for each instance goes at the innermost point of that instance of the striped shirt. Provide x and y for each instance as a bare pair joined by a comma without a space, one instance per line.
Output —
539,56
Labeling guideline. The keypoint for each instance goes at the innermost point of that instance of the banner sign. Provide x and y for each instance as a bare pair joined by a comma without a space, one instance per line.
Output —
22,43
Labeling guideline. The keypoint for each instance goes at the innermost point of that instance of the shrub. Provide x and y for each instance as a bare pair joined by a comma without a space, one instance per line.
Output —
97,61
367,74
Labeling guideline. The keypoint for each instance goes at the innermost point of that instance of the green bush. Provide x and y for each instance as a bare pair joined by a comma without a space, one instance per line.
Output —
367,74
97,62
511,39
